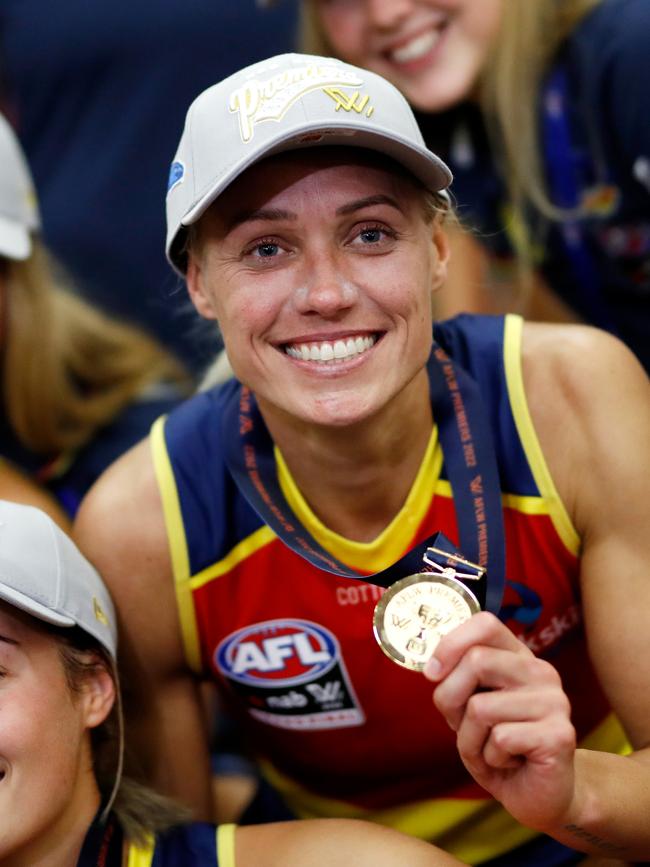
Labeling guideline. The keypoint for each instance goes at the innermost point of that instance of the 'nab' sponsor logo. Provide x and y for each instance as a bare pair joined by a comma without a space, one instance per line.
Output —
277,653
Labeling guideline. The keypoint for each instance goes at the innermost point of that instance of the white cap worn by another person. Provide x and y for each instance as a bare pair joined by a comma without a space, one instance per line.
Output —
43,573
19,215
288,102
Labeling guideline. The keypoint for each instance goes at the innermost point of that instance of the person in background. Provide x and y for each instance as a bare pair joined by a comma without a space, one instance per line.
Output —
97,95
77,387
64,799
540,110
249,540
19,488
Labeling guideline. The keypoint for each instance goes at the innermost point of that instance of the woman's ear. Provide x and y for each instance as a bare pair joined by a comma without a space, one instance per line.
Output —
440,241
98,695
195,278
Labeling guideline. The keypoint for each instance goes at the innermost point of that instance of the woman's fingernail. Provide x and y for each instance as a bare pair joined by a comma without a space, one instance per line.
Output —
432,669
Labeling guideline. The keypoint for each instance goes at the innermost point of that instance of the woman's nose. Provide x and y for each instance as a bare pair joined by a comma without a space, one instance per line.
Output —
325,290
388,14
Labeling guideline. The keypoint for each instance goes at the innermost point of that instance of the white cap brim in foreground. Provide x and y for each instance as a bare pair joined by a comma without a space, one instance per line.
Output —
288,102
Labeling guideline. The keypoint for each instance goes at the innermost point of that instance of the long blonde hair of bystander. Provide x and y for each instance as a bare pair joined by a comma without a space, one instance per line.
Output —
69,369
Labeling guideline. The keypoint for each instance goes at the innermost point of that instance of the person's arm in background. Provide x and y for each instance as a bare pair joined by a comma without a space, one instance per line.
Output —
120,528
508,708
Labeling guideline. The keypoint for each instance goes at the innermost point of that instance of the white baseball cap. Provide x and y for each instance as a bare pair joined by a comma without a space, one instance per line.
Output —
285,103
19,215
43,573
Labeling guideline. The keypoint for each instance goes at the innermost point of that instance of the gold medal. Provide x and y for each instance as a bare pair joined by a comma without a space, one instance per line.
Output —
415,612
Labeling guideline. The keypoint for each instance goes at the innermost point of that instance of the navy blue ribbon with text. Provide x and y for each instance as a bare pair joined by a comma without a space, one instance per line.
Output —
102,845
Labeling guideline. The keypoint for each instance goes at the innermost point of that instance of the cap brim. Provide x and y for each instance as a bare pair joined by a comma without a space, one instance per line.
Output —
15,240
430,170
30,606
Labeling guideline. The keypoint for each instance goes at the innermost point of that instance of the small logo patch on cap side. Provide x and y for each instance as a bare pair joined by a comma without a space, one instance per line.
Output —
176,175
99,612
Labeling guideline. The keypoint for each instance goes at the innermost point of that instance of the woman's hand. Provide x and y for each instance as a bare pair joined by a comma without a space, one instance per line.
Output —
512,719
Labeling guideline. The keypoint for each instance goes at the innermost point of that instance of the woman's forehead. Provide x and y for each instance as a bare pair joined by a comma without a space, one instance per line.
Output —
298,175
18,625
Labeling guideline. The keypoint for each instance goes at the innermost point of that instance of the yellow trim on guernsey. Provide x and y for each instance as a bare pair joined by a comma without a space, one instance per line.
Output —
446,821
240,552
515,381
526,505
177,544
226,845
141,856
388,546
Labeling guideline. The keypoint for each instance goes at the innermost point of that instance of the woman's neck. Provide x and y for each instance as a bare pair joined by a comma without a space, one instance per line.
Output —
60,845
357,478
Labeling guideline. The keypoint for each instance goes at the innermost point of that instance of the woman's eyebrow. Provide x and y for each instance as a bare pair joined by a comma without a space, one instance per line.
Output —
358,204
260,214
269,214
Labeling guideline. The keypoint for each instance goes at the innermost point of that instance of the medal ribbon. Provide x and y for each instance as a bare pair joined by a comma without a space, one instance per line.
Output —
103,844
468,450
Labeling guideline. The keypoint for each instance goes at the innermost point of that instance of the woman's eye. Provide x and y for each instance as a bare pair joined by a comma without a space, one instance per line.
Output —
266,250
373,236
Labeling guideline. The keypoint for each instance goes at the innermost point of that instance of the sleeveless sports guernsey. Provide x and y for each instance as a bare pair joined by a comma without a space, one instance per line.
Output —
194,845
340,729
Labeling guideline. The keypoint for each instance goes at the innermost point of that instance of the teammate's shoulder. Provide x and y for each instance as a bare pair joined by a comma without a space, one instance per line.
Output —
124,499
567,362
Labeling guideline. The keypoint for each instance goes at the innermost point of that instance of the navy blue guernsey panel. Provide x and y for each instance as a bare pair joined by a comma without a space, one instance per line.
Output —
215,516
187,846
476,343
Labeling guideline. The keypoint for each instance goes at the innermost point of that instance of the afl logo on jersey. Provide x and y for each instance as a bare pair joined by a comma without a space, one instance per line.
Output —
277,653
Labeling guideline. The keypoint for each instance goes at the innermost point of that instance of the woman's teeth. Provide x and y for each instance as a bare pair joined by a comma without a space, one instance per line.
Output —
416,48
325,351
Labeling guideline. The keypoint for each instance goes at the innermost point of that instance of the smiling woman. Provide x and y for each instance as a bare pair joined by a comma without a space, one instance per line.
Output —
433,50
539,110
458,465
344,253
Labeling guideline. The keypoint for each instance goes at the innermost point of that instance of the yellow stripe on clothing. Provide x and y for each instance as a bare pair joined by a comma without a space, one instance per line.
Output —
528,436
177,544
240,552
527,505
141,856
389,546
226,845
442,821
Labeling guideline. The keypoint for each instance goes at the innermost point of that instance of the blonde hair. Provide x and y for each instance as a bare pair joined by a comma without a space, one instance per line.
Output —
68,369
140,810
530,34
